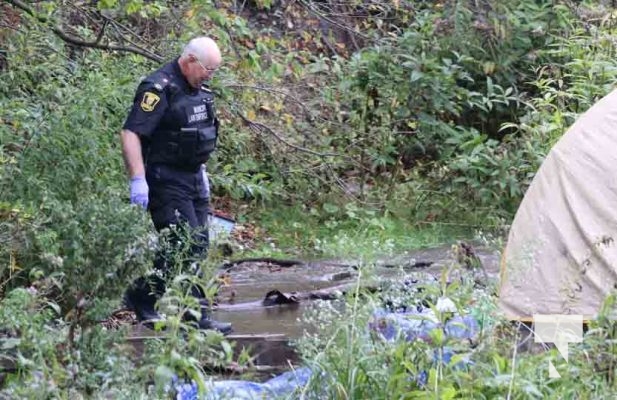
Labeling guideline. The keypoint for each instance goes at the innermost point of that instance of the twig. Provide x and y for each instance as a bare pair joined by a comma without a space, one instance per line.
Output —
10,27
343,186
346,192
128,30
118,27
354,42
513,369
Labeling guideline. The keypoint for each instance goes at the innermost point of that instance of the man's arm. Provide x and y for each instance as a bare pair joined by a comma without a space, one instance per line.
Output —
149,105
131,151
134,163
148,108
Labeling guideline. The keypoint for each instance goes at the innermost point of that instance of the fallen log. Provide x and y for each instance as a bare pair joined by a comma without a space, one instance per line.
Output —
280,262
275,298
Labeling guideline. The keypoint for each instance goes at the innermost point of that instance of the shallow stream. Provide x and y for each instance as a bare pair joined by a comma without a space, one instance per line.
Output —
241,301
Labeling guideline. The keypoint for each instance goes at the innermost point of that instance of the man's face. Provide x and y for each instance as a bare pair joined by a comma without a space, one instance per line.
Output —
200,71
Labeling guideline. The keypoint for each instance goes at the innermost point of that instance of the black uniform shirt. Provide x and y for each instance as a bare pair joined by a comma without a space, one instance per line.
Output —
151,99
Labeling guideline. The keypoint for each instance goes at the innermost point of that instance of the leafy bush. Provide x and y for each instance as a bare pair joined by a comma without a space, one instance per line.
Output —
69,180
35,339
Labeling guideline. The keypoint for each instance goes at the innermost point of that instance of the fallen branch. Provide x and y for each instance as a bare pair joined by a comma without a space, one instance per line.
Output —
281,262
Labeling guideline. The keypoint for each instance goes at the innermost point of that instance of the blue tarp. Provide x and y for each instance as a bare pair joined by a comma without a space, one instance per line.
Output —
419,325
390,326
279,386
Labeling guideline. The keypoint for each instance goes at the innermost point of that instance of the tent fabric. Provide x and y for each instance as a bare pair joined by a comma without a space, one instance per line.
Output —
561,254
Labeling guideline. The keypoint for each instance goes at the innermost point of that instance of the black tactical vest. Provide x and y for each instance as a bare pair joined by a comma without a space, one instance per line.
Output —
188,131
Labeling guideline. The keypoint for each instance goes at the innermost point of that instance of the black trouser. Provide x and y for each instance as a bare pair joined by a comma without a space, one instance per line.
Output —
177,200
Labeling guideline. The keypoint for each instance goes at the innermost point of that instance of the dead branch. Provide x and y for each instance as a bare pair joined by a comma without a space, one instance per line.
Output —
96,44
119,28
285,94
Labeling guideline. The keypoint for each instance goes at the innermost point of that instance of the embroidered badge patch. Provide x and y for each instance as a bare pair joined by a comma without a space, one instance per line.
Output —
149,101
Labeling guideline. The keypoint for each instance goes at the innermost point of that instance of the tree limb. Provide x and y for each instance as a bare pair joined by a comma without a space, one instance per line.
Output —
118,27
80,42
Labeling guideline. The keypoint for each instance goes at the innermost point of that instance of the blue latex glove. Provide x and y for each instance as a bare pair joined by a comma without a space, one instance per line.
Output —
139,191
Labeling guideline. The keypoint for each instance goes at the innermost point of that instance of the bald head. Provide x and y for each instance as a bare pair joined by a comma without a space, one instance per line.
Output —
200,58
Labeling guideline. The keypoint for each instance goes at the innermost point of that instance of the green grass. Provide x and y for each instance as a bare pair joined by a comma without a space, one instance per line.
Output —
292,231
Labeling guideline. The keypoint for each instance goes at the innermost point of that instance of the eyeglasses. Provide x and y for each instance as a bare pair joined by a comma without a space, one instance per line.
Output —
204,67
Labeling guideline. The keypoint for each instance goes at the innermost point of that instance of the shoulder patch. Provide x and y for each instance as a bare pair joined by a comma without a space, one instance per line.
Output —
149,101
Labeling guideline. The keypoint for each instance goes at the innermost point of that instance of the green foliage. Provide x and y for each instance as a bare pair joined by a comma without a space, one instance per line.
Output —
457,111
35,340
431,106
492,172
62,186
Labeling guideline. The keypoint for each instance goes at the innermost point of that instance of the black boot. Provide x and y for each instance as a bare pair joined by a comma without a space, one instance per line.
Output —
206,323
141,298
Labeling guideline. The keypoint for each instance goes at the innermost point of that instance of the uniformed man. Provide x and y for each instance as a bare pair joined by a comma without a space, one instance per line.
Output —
168,136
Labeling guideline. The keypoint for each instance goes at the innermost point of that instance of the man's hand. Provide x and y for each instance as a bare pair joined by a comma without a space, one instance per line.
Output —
139,191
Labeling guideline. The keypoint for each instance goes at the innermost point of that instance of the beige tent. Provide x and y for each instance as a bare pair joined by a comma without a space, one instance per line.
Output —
561,253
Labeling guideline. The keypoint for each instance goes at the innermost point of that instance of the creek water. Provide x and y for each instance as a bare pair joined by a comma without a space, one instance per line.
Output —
241,301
